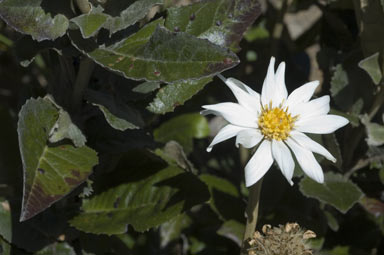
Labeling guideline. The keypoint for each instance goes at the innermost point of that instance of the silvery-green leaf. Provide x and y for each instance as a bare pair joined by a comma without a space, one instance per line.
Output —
372,67
28,17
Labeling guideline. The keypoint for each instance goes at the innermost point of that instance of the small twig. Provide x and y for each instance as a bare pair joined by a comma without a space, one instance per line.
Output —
252,210
363,163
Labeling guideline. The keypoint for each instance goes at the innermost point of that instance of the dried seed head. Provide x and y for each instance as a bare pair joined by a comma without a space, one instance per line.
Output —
288,239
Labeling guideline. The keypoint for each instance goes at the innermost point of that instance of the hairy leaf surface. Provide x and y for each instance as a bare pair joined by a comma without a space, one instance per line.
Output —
50,172
336,191
156,54
28,17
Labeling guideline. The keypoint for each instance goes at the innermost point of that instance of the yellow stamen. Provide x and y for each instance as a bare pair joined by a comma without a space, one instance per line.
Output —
276,123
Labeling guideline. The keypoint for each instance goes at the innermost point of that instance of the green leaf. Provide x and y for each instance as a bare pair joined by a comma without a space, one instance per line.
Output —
131,15
375,132
144,202
372,67
336,191
183,129
146,87
5,221
28,17
232,230
57,249
222,22
174,154
64,128
5,247
330,142
156,54
175,94
225,28
96,19
339,80
50,172
118,114
172,229
332,221
257,32
225,198
91,22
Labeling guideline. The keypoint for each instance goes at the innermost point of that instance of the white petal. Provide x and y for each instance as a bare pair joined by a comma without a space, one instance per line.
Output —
249,138
311,145
315,107
249,101
283,157
323,124
225,133
281,93
240,84
302,94
259,164
269,84
307,161
234,114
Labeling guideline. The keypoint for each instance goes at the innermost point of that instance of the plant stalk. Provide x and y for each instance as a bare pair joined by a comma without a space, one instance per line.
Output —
252,210
81,82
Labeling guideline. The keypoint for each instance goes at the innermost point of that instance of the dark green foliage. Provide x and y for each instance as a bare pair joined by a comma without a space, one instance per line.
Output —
103,149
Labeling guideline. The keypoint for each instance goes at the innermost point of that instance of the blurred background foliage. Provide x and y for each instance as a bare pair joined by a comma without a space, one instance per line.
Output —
115,160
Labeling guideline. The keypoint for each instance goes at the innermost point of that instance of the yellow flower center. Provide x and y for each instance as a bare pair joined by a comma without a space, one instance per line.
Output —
276,123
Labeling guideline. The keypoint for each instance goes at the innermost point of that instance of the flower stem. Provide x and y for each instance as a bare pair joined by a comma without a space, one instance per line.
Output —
252,210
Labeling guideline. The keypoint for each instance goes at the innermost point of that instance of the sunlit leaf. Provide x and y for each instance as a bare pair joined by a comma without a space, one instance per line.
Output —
156,54
222,22
91,22
143,203
50,172
183,129
336,191
28,17
131,15
172,229
176,94
225,28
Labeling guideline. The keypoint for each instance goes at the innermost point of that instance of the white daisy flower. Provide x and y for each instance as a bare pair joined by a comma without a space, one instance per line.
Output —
277,122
